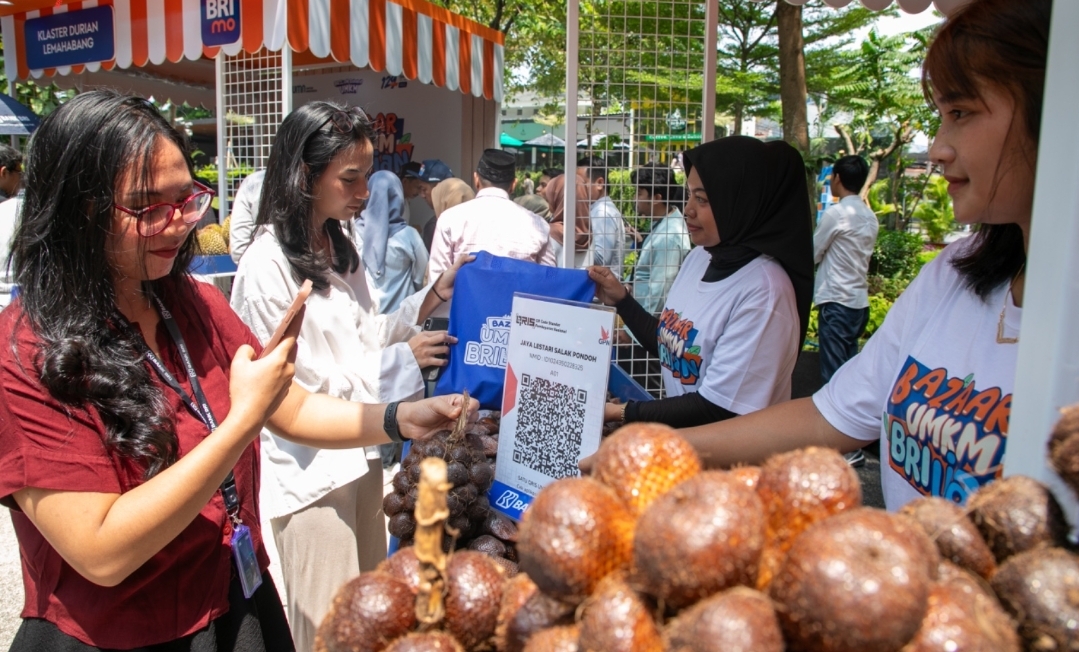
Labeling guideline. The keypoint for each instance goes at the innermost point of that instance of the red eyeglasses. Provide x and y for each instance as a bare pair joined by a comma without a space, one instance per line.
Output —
154,218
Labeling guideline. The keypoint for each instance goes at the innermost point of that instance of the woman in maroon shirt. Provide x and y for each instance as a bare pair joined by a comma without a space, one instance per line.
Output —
131,400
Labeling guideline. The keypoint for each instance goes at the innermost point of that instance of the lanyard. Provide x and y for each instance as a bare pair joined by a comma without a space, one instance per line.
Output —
198,405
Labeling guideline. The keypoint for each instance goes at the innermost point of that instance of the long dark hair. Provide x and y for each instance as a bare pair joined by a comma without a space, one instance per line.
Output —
1003,43
76,158
305,145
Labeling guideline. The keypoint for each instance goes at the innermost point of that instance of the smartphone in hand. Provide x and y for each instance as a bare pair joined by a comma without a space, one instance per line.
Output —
431,374
290,314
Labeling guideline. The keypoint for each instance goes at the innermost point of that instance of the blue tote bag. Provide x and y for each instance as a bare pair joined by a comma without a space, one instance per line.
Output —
480,319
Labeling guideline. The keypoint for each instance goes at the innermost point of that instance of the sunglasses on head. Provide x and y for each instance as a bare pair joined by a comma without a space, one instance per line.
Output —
343,120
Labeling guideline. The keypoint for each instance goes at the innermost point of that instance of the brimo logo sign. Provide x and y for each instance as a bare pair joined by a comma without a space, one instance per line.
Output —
222,13
220,22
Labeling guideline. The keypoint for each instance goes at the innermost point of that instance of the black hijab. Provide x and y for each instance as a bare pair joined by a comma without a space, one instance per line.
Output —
760,202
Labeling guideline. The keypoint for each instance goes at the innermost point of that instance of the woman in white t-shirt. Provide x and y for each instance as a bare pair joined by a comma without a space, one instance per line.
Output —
324,506
934,383
734,319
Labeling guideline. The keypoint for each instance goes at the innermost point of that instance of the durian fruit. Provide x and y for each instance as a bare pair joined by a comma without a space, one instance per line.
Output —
226,229
211,243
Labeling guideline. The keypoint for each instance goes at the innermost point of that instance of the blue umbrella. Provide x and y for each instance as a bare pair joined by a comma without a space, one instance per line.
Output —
16,119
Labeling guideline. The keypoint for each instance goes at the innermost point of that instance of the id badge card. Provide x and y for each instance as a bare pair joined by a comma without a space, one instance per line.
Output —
247,565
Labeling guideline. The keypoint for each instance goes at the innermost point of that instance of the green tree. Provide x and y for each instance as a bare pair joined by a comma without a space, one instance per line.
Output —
934,211
748,56
883,100
746,60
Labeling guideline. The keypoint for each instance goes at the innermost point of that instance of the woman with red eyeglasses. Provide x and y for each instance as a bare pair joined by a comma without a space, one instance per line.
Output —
131,401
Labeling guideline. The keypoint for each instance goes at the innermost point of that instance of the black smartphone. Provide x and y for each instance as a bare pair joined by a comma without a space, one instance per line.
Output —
431,374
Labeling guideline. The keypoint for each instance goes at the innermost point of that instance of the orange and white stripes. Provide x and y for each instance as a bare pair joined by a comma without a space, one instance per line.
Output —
402,37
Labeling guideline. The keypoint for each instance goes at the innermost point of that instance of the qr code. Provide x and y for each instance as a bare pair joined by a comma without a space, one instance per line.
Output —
550,422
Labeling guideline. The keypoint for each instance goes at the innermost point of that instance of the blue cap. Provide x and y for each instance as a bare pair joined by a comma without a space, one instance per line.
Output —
433,170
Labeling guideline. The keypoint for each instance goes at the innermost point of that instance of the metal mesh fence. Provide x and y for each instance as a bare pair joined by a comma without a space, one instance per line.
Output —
640,79
253,110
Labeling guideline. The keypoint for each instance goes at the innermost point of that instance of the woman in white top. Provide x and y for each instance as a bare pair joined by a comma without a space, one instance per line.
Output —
324,506
734,319
394,258
934,383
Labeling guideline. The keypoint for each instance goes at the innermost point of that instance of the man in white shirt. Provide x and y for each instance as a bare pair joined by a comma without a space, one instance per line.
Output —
842,246
245,209
491,222
608,227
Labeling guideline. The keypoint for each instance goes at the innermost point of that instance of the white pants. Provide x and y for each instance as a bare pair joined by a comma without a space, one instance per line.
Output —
326,544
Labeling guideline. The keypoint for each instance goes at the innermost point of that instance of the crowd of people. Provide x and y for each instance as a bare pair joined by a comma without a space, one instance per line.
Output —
146,433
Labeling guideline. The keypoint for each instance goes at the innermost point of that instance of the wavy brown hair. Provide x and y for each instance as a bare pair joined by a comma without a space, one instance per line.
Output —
76,159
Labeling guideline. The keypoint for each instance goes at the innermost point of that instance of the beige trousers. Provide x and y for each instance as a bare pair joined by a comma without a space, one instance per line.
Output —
326,544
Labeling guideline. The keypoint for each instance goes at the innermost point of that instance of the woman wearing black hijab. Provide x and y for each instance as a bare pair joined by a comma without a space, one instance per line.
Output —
736,315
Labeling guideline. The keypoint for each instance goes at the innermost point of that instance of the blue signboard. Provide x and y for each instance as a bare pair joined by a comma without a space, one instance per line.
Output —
70,38
220,22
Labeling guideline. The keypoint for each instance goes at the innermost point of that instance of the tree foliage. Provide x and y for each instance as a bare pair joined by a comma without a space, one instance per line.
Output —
882,101
41,99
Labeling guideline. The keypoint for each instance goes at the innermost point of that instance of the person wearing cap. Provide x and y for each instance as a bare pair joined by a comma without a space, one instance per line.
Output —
423,177
491,222
431,172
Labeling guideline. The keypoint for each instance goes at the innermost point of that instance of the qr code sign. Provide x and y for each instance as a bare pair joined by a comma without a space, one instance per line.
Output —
550,422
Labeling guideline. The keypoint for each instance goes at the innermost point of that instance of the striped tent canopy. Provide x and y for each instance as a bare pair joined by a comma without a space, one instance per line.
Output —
401,37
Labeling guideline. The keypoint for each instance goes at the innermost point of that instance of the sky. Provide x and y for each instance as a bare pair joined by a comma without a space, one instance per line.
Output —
905,22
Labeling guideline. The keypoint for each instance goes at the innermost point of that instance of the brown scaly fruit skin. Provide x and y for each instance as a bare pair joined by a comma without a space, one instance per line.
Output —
737,620
701,537
950,573
955,535
574,534
1064,447
404,566
526,611
473,595
962,618
748,475
1040,588
643,461
617,619
1016,514
798,489
515,593
555,639
428,642
855,582
367,614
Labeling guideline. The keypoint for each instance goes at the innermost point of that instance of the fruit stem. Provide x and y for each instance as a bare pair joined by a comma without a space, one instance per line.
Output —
431,515
458,434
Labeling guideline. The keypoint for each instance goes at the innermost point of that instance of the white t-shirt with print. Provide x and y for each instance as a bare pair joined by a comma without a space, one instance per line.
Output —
734,341
934,385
